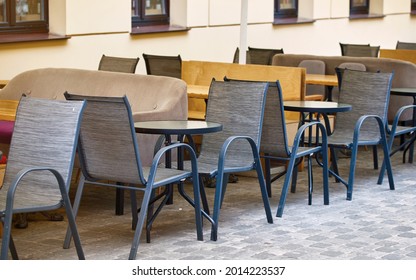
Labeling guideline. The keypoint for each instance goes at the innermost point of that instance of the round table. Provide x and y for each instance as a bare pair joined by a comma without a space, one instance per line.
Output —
321,107
180,128
188,127
317,108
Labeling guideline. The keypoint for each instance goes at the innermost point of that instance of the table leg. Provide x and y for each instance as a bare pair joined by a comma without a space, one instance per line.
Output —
119,201
329,92
412,144
168,164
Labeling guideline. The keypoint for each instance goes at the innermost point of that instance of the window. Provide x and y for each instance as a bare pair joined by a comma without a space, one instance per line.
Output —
359,7
285,8
24,16
149,12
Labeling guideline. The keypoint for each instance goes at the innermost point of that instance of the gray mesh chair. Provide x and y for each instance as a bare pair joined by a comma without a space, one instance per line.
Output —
239,107
405,46
162,65
396,130
118,64
344,47
113,114
257,55
347,65
365,124
275,146
314,92
39,167
339,71
359,50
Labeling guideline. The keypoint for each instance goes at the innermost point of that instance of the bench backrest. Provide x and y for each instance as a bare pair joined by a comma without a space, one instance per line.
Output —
292,79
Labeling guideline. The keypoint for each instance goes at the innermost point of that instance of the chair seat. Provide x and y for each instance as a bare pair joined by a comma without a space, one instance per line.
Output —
345,138
165,174
281,153
402,129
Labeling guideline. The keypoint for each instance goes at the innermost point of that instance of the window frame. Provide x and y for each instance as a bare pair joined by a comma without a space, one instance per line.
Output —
139,17
285,13
11,26
360,10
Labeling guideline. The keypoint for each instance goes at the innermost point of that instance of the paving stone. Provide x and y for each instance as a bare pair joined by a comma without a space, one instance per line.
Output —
378,224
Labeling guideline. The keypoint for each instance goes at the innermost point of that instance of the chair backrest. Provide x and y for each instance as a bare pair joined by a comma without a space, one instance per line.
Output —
347,65
108,147
314,67
239,107
257,55
118,64
361,51
162,65
369,94
262,56
45,135
274,139
344,47
405,46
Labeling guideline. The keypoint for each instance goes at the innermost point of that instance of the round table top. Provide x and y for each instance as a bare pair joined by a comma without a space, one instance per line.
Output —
177,127
316,106
403,91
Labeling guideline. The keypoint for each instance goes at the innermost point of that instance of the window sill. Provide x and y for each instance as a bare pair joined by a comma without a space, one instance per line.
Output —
30,37
366,16
286,21
157,29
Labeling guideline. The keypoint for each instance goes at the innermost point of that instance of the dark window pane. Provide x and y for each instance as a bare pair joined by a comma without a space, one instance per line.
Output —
23,16
29,10
150,12
359,7
286,8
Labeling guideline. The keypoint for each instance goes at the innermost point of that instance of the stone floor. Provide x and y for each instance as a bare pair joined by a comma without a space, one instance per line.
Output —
378,224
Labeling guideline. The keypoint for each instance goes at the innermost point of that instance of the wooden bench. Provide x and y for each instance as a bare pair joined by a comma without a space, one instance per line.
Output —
201,73
406,55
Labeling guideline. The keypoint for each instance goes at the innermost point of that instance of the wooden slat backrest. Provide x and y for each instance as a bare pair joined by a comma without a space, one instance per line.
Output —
292,79
406,55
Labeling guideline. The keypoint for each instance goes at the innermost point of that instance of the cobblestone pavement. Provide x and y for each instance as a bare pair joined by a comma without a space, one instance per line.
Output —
377,224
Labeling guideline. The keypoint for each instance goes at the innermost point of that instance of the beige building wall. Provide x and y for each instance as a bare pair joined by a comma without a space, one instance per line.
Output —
101,27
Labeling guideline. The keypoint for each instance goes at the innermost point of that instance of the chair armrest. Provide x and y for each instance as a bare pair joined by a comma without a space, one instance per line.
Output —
396,120
362,119
226,145
300,135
